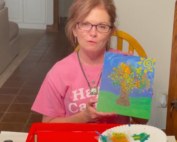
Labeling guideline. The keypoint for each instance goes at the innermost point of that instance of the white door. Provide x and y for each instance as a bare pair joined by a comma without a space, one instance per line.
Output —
15,10
35,11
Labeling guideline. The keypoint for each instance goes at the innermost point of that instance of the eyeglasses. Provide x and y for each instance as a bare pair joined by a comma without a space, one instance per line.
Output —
86,26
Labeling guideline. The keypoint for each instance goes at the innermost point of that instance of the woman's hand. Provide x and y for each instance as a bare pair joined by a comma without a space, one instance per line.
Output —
91,114
125,53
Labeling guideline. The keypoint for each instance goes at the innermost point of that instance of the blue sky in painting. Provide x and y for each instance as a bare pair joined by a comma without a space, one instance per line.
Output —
112,60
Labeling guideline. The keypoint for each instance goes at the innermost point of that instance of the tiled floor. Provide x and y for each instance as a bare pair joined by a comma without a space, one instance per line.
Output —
19,91
28,38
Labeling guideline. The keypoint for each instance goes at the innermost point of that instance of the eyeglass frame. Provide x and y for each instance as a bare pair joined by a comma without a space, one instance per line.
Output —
110,27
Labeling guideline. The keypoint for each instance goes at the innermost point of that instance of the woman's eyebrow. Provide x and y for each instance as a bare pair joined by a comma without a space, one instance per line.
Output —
104,23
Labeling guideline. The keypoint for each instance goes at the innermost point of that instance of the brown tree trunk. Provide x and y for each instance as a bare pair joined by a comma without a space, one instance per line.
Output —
123,99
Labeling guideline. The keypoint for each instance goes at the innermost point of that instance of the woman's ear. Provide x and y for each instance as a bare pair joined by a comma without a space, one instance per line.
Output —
113,30
111,33
74,32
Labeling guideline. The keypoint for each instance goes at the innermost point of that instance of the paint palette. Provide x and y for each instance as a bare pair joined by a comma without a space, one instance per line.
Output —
137,133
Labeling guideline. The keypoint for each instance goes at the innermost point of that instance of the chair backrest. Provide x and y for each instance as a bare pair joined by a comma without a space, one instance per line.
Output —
133,43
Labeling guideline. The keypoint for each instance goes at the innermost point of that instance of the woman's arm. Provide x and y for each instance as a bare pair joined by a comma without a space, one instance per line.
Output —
77,118
88,115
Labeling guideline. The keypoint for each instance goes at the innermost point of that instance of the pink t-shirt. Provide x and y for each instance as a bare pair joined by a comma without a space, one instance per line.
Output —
65,91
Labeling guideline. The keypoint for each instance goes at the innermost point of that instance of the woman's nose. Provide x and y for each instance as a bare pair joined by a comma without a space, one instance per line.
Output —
93,31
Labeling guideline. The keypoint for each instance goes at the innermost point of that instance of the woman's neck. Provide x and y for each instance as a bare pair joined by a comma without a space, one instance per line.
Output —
92,58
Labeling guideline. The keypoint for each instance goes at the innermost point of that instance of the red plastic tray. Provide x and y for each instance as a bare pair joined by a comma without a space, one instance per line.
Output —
66,132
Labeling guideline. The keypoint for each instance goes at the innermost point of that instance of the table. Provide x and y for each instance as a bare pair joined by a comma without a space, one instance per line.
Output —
21,137
15,136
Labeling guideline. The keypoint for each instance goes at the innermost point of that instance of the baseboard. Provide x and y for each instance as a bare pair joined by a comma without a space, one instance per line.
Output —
52,28
49,27
32,26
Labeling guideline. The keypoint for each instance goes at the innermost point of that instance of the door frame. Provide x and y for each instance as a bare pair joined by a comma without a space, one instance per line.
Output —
55,26
171,123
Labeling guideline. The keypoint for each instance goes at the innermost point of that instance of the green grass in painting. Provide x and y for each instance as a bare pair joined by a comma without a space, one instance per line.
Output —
139,107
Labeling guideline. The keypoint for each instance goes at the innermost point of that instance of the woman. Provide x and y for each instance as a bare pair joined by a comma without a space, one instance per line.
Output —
70,90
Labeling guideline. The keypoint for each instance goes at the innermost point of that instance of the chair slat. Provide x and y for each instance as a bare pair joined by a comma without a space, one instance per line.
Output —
120,44
130,49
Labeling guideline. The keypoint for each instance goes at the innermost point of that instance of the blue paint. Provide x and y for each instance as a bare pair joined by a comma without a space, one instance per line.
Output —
103,138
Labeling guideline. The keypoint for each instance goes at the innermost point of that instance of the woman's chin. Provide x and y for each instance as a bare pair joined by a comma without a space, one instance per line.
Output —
93,49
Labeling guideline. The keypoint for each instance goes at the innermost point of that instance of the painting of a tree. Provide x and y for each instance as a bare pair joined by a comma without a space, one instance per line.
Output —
130,77
126,85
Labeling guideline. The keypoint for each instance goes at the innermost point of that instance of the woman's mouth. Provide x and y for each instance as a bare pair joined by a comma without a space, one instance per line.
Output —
92,42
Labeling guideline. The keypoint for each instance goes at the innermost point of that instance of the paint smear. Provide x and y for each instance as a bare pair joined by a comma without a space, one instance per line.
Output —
142,137
119,137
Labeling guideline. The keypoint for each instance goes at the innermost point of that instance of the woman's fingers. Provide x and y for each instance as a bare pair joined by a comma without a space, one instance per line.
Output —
104,114
121,52
131,53
125,53
91,102
92,114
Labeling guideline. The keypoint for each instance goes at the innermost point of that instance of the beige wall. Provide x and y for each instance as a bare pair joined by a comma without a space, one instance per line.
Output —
151,23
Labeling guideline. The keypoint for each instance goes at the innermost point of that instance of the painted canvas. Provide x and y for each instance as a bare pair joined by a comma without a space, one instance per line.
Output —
126,85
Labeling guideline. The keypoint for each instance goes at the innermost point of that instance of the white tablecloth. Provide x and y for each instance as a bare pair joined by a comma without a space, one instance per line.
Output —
15,136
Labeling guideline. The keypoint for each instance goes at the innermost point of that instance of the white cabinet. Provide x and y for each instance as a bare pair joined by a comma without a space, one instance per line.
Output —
15,10
34,11
30,13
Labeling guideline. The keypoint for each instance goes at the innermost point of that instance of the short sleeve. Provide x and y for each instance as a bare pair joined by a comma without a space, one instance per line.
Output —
49,100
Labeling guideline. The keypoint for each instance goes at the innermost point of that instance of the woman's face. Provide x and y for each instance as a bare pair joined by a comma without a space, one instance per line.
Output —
93,40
